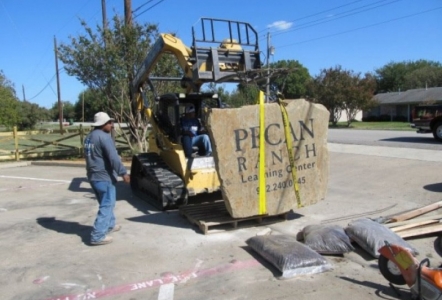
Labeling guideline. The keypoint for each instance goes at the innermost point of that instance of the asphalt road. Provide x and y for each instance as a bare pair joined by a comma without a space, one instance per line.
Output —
384,138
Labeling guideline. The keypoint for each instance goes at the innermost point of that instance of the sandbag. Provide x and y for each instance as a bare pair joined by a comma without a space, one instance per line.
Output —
288,255
327,239
371,236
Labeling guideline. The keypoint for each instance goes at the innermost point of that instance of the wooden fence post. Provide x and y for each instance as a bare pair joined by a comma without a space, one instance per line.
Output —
81,140
17,153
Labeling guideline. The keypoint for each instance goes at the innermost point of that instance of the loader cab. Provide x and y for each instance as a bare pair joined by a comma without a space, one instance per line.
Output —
170,108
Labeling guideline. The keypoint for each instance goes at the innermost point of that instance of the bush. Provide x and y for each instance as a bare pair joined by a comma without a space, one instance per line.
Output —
400,119
384,118
370,119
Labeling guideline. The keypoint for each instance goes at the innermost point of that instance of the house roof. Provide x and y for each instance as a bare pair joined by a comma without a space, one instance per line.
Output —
410,96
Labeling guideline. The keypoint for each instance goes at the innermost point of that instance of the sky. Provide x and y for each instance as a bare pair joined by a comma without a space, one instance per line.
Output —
360,36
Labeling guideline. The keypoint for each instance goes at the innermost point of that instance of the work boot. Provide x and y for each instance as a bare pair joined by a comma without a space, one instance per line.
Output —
106,240
115,229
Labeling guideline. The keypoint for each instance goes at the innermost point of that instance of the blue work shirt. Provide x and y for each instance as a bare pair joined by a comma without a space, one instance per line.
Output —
192,125
102,160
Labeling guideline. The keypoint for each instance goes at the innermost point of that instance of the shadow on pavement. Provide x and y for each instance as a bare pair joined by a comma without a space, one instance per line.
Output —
76,185
169,218
382,291
434,187
66,227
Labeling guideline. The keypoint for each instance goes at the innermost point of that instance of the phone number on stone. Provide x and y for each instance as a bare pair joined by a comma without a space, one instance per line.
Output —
281,185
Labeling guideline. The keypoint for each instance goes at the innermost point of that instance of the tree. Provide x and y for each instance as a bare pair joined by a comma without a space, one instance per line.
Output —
429,76
93,102
359,95
106,67
68,111
245,94
401,76
9,103
294,85
338,89
30,114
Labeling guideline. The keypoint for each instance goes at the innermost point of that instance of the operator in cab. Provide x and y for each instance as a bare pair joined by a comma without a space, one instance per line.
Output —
193,135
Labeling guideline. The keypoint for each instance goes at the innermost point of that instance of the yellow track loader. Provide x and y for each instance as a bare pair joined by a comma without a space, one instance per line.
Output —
221,51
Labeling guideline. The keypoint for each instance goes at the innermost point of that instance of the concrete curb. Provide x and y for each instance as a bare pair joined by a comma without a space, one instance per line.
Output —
15,164
77,164
393,152
59,164
55,163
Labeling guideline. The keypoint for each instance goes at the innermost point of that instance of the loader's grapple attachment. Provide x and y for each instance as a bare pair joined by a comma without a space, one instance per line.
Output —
153,181
222,48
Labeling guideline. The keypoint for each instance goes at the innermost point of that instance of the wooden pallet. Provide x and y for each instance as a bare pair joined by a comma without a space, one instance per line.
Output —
214,217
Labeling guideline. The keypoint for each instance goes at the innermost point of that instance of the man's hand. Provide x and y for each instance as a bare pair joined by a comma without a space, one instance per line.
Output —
126,178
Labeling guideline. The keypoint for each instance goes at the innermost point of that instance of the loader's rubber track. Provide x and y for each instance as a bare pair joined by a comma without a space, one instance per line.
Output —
153,181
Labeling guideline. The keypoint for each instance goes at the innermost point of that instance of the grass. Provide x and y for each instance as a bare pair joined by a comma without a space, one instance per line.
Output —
401,126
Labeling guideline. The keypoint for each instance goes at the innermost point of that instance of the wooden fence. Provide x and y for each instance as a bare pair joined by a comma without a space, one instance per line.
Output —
17,145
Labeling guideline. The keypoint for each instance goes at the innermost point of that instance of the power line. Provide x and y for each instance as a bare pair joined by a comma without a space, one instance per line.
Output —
305,25
42,90
346,14
321,12
44,55
149,8
138,8
359,28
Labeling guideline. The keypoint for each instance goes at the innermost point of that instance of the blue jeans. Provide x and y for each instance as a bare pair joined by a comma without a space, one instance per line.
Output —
105,191
201,141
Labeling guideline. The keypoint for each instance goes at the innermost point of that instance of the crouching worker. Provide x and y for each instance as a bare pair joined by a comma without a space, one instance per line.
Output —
192,134
103,166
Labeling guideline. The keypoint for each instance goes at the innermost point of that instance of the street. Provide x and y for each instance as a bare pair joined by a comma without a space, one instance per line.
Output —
384,138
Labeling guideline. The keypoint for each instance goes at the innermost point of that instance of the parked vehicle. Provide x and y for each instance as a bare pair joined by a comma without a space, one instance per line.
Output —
428,119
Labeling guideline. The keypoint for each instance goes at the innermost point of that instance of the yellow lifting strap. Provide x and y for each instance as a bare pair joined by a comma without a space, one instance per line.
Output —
288,138
262,153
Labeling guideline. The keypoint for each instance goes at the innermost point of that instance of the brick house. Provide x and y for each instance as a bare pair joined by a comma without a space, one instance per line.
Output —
399,105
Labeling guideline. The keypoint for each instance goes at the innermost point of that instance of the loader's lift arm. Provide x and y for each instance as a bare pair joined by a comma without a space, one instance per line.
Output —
236,50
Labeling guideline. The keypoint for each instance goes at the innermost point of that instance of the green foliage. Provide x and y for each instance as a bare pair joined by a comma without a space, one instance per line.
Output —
338,89
106,61
90,102
9,103
212,87
427,76
68,111
294,85
406,75
30,114
246,94
105,65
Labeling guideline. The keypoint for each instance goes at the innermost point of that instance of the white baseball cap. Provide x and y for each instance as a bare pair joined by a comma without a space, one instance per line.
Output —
101,118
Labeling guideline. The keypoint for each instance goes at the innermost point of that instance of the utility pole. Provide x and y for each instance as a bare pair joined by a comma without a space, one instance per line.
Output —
128,11
60,105
103,12
270,51
82,107
24,96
